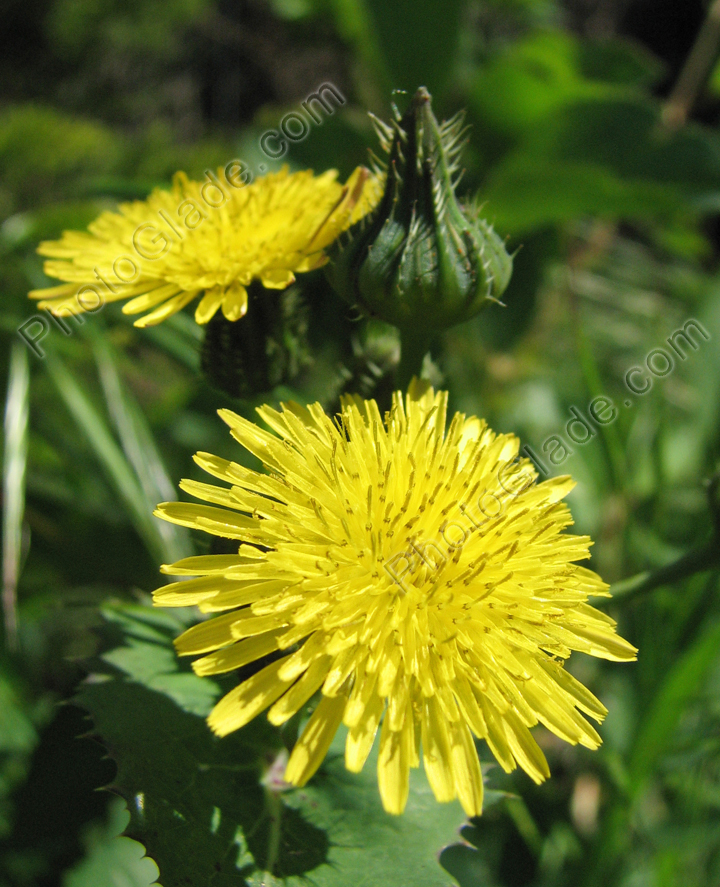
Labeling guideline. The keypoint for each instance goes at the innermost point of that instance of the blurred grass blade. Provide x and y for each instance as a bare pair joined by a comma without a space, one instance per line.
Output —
609,434
419,42
179,336
14,467
681,683
116,466
354,22
138,443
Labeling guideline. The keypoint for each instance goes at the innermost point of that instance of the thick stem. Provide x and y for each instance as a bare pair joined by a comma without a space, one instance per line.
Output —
696,70
707,557
697,561
274,808
413,348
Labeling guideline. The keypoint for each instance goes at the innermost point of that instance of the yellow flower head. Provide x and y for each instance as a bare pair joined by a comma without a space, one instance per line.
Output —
208,239
419,579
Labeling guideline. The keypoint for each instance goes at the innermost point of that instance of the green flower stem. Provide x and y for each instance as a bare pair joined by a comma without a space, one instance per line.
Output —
413,349
274,809
697,561
694,75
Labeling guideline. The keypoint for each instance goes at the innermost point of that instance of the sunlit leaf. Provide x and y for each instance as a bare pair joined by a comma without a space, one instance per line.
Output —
185,787
111,859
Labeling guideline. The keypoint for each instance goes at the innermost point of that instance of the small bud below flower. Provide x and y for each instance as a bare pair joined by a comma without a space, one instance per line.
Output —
272,777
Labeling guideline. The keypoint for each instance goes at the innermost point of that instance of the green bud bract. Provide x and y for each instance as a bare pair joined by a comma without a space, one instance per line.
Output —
268,348
421,259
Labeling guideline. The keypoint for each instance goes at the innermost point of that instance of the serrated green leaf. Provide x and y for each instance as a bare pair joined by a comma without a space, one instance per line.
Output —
367,845
113,860
466,865
155,666
184,787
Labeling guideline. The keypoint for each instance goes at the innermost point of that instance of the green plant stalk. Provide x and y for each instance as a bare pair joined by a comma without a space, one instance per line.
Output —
697,561
412,352
525,824
274,809
698,67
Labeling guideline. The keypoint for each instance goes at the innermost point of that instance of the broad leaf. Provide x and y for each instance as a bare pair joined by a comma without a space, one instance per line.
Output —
111,858
187,789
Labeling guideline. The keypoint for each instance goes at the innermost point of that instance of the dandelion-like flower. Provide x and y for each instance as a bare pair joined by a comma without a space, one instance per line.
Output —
205,239
419,578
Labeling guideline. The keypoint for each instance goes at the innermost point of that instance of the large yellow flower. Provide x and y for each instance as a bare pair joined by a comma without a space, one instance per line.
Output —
419,579
208,239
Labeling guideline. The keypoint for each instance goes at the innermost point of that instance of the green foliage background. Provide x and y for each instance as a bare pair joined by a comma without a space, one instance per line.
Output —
615,219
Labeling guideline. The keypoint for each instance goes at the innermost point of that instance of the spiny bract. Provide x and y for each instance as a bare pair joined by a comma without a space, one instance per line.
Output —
204,239
419,579
422,260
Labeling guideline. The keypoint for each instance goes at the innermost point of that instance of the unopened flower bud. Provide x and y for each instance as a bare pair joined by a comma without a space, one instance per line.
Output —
421,260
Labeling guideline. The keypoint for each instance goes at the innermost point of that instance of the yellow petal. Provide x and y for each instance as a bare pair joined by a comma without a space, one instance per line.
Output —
207,636
579,694
311,748
203,564
525,750
495,737
436,751
209,305
360,738
153,296
247,625
235,302
277,280
242,653
172,306
345,663
312,649
399,703
362,691
394,767
561,718
242,704
557,487
466,769
54,292
469,707
604,643
300,692
217,521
